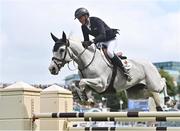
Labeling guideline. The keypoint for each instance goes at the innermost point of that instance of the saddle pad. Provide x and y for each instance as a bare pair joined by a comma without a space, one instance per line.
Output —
127,64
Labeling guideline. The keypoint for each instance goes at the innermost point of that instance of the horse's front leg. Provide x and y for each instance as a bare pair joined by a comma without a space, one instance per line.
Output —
78,95
94,83
87,85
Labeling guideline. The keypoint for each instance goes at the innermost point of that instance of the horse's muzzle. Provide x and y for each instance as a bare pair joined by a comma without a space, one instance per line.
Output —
53,70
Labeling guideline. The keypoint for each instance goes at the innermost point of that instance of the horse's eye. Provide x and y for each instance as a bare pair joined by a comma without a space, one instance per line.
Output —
61,50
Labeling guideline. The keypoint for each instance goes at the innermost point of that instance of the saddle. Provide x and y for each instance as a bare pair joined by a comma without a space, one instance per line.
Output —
123,58
120,55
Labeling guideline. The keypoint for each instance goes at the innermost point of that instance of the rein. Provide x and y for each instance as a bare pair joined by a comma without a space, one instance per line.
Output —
86,66
89,62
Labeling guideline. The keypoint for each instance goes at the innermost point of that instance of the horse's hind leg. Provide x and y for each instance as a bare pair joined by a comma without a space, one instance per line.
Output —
167,100
157,100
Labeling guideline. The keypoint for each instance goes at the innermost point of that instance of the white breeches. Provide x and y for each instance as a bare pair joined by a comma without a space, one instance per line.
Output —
111,46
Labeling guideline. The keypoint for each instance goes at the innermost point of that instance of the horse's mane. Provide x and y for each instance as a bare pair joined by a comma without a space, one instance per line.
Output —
77,41
74,39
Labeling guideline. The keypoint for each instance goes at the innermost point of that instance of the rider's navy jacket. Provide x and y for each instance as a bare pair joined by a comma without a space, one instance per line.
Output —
99,29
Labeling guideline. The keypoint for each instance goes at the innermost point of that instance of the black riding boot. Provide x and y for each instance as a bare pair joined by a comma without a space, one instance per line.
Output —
117,61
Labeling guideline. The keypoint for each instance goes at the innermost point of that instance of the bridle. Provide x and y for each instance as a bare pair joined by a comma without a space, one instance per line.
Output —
61,62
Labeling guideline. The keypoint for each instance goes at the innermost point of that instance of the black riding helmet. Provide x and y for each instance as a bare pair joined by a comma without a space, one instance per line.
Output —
81,12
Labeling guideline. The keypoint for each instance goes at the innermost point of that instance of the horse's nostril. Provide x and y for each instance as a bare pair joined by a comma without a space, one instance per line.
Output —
53,69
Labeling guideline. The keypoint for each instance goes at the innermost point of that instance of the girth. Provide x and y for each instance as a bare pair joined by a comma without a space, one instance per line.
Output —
110,88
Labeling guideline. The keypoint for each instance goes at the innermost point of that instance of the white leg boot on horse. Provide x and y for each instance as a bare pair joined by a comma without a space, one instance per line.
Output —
167,100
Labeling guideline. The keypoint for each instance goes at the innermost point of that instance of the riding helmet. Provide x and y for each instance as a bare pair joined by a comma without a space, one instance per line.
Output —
81,12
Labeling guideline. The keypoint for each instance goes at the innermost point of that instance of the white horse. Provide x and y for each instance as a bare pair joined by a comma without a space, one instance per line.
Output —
99,75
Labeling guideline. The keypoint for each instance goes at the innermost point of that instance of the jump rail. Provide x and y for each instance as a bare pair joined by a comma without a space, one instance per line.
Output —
142,119
112,116
106,114
123,129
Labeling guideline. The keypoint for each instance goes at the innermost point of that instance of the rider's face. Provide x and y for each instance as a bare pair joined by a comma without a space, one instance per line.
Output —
82,20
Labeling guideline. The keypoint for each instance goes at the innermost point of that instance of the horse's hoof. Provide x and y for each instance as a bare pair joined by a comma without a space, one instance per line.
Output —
171,103
158,108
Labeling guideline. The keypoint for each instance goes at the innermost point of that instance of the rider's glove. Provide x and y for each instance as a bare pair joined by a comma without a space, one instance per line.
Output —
85,44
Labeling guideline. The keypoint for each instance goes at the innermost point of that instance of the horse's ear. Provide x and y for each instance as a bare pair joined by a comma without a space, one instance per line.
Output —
54,37
64,37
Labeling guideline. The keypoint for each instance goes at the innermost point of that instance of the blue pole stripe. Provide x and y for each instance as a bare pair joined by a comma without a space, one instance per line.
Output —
132,114
100,128
54,115
114,128
161,128
67,115
99,119
161,119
